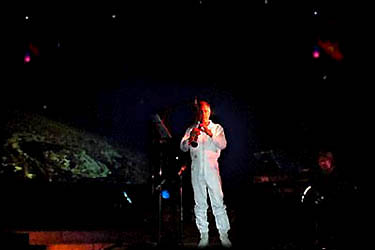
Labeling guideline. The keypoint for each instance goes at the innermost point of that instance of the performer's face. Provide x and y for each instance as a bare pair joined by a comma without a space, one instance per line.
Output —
204,112
325,164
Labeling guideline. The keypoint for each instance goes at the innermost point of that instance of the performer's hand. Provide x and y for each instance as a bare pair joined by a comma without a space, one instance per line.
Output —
195,132
205,129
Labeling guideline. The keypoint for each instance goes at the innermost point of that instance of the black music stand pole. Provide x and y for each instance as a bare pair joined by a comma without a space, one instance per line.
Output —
164,136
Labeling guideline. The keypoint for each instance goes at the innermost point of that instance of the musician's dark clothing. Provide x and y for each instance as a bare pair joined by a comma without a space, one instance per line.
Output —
327,207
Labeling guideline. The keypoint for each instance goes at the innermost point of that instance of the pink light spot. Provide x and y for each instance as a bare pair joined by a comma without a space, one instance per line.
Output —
27,58
316,54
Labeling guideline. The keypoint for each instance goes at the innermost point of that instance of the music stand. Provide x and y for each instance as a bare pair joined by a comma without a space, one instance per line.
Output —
164,136
161,128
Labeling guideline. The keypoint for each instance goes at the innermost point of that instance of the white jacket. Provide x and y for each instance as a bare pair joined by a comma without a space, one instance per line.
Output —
209,148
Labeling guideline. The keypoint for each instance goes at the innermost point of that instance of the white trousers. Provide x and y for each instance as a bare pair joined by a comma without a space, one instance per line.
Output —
212,185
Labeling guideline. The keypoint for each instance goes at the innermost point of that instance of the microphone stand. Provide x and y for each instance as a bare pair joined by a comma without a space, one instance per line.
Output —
181,224
160,214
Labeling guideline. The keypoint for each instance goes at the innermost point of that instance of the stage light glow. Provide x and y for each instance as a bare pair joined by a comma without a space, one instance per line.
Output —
27,58
332,49
316,54
165,194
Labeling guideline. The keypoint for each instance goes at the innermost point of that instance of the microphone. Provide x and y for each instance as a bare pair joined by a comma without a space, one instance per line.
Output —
158,187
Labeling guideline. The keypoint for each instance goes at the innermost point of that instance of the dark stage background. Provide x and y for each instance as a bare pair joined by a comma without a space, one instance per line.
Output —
108,68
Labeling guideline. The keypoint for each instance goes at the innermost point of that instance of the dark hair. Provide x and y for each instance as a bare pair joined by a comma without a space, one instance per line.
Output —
326,155
203,102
